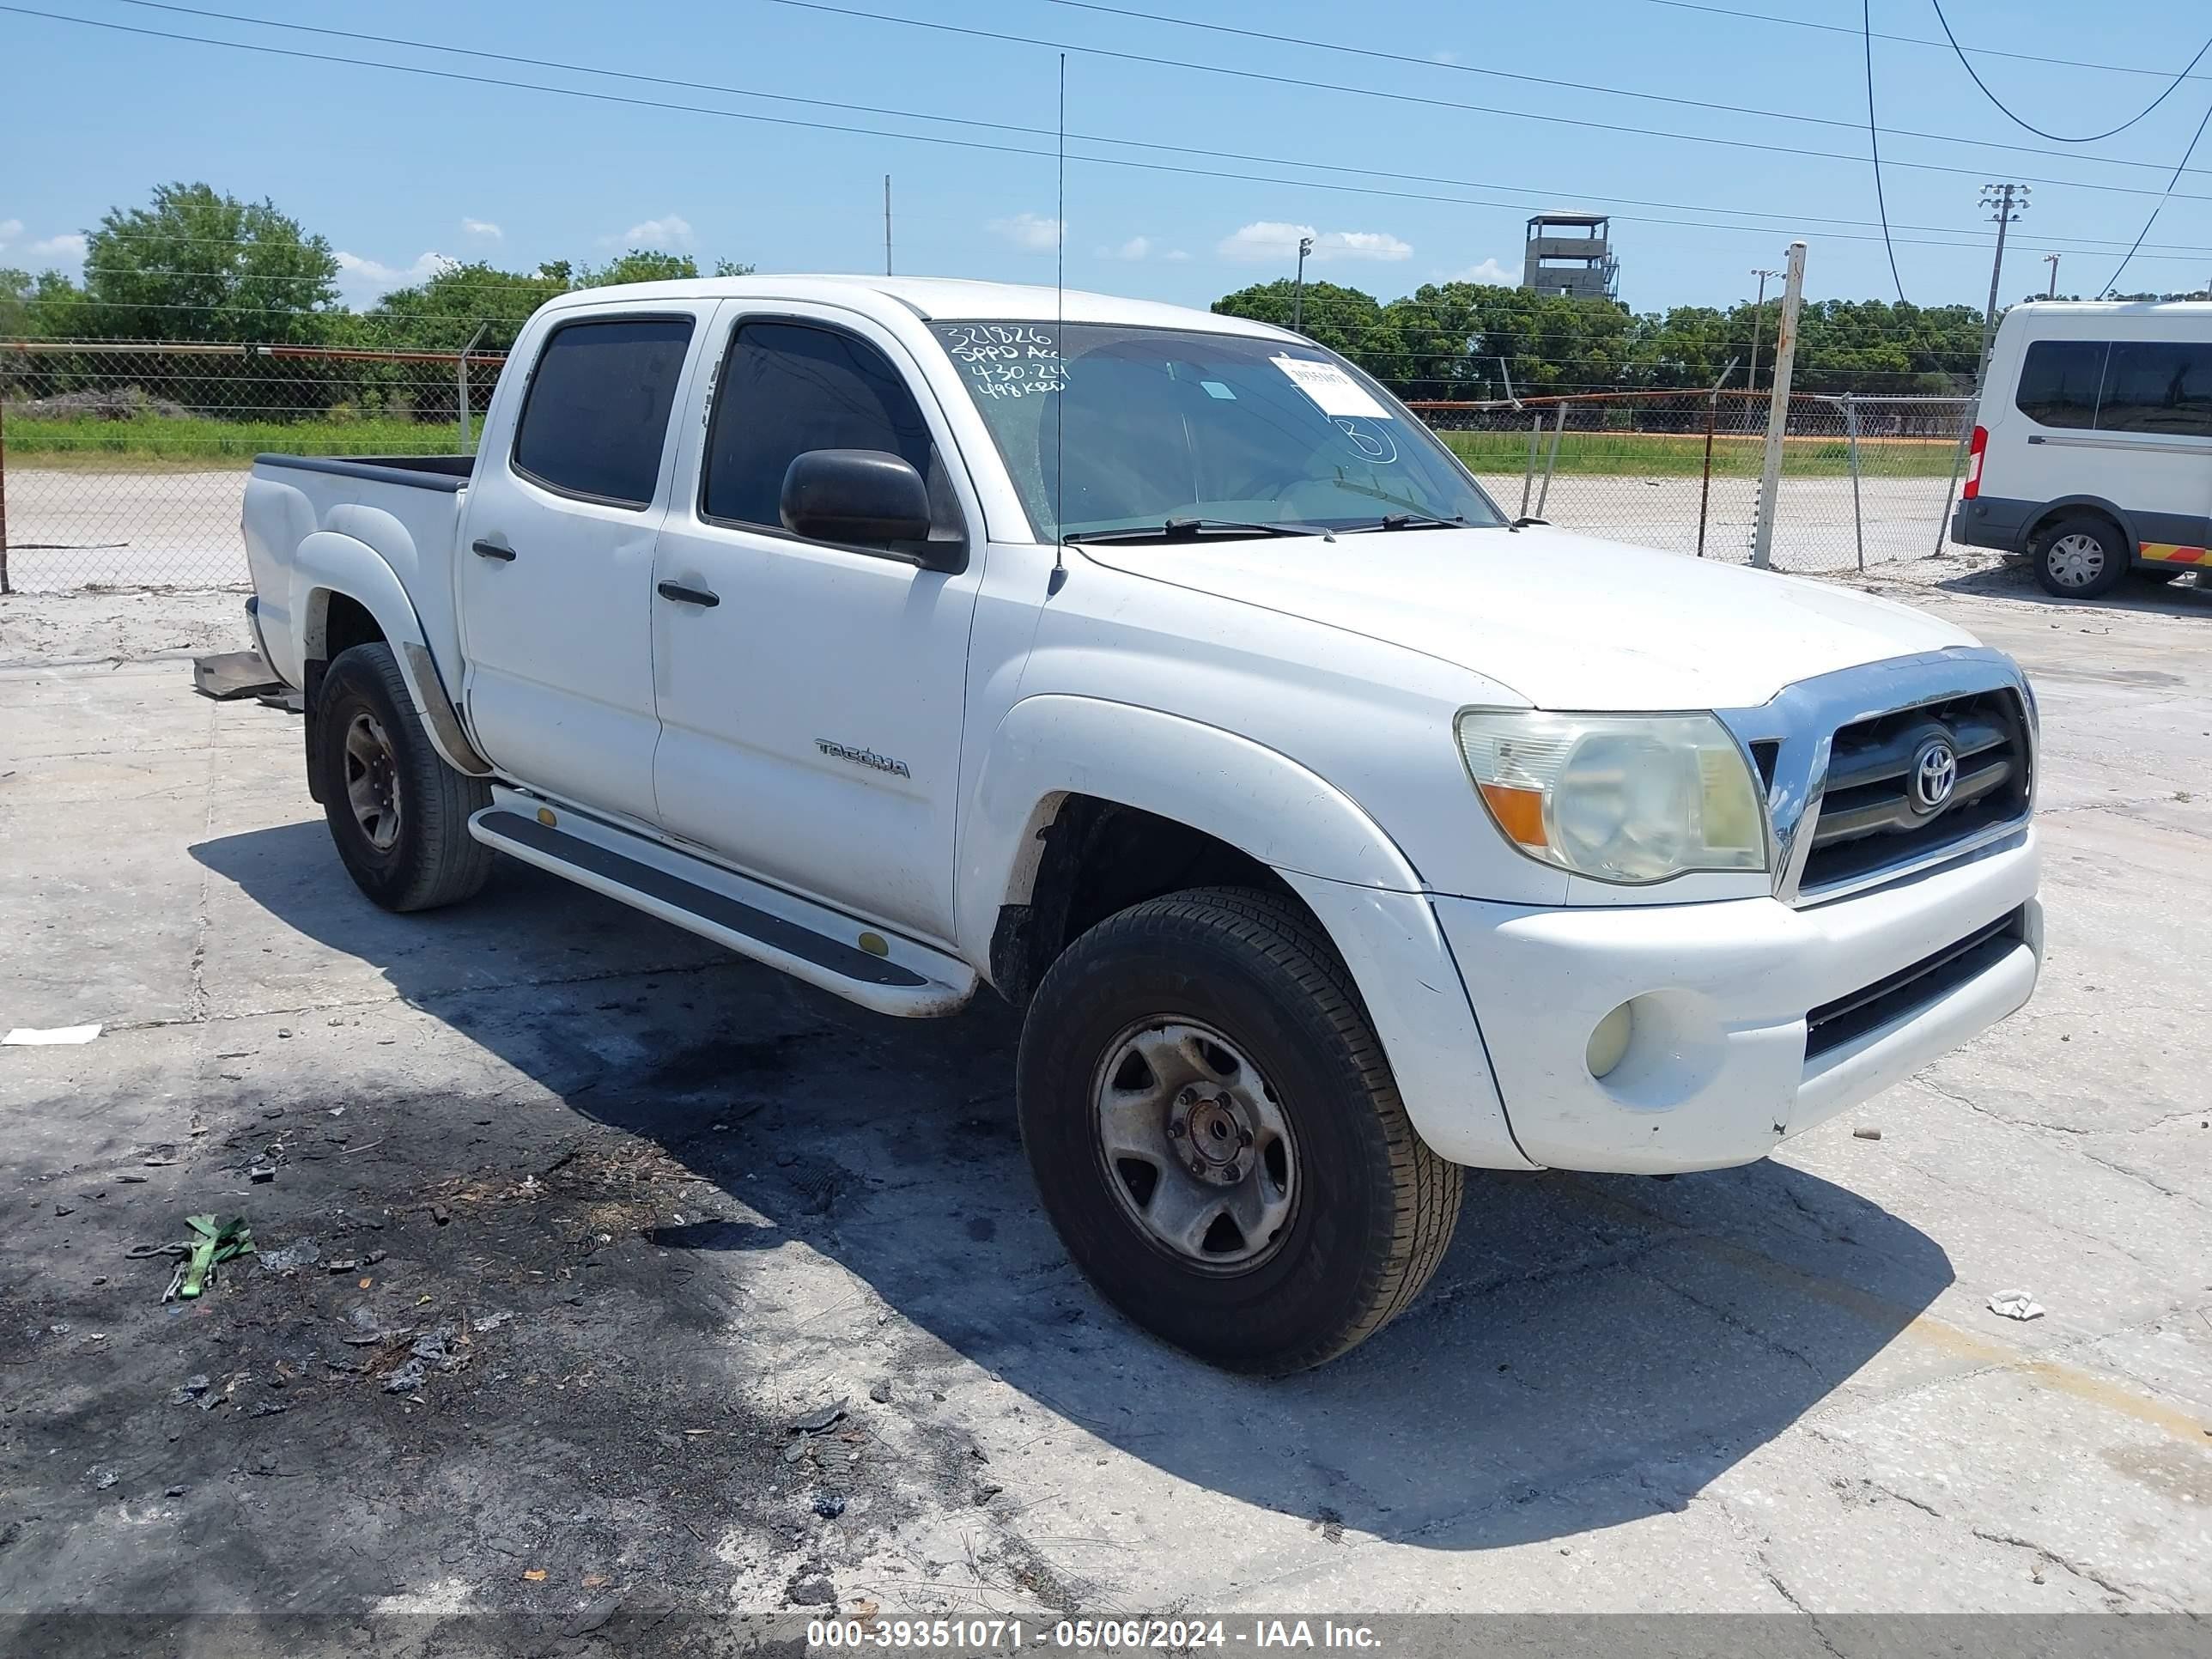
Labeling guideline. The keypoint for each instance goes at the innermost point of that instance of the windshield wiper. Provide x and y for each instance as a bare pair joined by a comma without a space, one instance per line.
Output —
1413,521
1191,529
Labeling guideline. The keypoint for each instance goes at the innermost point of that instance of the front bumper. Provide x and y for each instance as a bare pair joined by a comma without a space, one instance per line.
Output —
1717,1071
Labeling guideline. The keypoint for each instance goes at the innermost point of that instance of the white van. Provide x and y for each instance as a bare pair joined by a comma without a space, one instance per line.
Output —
2093,446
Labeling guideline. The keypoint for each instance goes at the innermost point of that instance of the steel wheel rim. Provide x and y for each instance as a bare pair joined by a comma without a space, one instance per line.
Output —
372,781
2075,561
1196,1147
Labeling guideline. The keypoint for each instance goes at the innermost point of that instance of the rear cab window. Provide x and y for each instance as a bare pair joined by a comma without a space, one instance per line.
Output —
596,417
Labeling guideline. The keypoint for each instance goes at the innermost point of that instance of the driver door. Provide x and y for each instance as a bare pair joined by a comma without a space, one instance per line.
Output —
811,694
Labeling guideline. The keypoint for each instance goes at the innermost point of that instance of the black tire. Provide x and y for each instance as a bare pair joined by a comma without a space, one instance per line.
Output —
1372,1208
2063,544
431,860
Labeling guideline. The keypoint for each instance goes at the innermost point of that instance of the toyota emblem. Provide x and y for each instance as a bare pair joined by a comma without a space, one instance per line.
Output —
1934,775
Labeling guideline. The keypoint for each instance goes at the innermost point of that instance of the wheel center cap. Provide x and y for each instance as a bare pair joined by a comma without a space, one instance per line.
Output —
1211,1135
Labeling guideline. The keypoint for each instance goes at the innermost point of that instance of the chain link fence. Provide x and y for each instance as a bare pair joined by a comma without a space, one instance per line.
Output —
124,464
1863,480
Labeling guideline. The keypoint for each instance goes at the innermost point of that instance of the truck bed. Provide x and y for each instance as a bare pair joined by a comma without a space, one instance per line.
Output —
445,472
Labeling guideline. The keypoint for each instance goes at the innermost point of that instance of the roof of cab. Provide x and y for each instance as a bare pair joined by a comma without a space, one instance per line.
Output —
933,299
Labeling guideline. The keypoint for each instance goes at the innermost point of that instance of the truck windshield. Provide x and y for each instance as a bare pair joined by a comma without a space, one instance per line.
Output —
1183,434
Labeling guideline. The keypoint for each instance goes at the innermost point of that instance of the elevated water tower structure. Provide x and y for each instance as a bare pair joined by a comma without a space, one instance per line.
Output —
1571,253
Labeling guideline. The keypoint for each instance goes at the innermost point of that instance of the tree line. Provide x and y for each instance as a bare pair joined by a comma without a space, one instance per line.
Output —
1466,341
196,266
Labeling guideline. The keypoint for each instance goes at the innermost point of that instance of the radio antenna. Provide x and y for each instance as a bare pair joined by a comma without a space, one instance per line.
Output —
1060,360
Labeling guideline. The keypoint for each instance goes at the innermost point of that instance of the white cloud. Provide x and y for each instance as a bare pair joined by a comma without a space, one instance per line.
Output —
1030,232
658,235
1266,240
1444,57
369,278
67,246
1489,271
9,230
1137,247
483,228
1175,256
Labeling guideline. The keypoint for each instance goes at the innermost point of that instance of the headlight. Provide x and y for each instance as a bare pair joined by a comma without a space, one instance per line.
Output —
1619,798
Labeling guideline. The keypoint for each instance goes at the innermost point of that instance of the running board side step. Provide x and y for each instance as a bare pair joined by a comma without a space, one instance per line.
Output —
809,941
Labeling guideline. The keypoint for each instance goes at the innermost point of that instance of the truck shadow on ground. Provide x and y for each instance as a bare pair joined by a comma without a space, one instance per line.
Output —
1593,1351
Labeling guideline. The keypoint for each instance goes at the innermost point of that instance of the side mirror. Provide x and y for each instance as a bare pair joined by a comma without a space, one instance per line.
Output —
859,496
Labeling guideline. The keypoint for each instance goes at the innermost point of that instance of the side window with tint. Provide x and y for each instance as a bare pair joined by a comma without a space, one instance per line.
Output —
2158,386
789,387
597,412
2058,382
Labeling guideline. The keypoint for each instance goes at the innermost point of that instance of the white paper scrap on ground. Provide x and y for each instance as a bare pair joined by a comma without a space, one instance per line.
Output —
2016,1304
1336,391
26,1035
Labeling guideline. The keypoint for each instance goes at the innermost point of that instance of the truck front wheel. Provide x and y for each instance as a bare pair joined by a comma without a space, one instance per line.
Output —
1216,1135
398,813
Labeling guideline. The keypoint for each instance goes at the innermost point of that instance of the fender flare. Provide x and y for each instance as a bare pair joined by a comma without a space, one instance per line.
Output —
1356,879
1256,798
2112,510
329,561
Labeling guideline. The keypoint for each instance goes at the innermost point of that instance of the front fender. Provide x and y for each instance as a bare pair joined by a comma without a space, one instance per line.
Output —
1351,873
328,563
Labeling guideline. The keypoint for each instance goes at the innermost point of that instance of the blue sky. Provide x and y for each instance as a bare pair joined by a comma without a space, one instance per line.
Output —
399,170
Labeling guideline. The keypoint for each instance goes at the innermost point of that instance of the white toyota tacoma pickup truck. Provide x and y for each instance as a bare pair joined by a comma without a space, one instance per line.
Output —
1159,671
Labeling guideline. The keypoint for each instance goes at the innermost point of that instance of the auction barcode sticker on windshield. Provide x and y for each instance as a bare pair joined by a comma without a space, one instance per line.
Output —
1334,391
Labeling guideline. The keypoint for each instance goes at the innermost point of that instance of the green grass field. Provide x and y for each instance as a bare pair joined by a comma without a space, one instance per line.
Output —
156,443
1665,455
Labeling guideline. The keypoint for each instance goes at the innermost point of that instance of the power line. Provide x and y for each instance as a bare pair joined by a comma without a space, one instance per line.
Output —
1305,84
960,144
1966,64
2113,286
1341,48
973,145
1904,39
1874,144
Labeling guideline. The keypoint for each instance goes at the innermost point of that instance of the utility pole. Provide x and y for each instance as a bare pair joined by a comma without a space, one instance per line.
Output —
1778,411
2051,259
1758,315
1298,288
2006,202
887,224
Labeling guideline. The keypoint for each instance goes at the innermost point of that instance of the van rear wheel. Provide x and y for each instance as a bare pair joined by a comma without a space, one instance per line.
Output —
2080,556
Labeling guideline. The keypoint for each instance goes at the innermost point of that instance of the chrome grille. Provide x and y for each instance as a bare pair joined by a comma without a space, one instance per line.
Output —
1868,817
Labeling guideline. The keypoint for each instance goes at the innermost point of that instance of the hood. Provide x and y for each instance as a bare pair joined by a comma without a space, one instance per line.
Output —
1568,622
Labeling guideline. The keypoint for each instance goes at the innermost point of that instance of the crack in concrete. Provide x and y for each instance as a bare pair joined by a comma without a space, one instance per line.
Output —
1736,1323
424,1000
2087,1574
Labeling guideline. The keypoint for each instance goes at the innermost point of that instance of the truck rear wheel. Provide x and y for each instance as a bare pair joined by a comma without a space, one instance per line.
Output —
1216,1137
2080,556
398,813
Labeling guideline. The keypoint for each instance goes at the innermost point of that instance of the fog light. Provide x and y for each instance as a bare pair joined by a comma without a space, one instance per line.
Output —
1609,1041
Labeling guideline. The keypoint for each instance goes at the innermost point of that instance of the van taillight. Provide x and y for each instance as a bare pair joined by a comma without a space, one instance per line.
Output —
1974,462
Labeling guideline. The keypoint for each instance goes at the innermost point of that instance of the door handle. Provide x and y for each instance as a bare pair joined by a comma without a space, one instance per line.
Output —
484,550
683,595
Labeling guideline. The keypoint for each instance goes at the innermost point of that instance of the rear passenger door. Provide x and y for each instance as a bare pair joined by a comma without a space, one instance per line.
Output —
556,557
